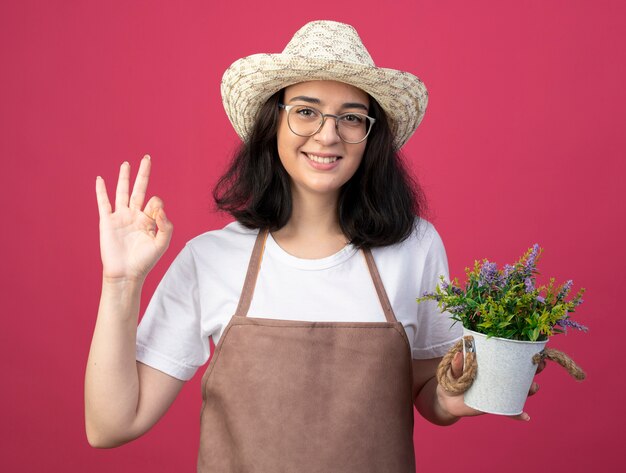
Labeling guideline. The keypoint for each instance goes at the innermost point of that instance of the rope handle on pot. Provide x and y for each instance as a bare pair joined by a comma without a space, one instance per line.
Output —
470,367
562,359
462,383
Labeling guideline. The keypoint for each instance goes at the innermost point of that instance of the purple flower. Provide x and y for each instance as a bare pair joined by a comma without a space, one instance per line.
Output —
488,275
532,257
530,286
432,295
457,309
566,322
541,299
567,287
457,290
444,285
508,269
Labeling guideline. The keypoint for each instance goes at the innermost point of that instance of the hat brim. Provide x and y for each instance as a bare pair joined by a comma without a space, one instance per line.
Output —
250,81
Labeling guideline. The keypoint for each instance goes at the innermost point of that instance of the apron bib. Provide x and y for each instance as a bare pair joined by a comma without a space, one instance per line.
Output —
308,397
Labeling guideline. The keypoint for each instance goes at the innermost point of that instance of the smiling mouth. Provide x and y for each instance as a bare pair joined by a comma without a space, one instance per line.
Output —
322,159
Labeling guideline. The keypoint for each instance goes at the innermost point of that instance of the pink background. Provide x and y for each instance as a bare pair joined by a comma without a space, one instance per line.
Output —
523,142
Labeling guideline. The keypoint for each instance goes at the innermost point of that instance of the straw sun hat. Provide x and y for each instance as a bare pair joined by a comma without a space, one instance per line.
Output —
322,50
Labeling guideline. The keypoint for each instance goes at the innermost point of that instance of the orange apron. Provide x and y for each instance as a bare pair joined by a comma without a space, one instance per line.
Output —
305,397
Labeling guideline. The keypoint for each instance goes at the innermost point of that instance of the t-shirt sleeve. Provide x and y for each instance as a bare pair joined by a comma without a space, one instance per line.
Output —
436,331
169,336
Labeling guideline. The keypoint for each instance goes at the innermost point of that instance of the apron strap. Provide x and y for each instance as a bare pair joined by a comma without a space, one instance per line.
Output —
380,288
253,271
255,264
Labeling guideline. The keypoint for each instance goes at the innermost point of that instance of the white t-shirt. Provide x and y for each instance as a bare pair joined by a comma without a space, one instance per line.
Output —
200,291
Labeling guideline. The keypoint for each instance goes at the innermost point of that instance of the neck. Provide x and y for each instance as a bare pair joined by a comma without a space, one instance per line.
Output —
313,231
314,214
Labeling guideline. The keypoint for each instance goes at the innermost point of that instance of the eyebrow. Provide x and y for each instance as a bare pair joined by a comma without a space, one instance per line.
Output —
316,101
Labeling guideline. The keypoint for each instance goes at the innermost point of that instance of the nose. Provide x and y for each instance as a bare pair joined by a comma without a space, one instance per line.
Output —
328,133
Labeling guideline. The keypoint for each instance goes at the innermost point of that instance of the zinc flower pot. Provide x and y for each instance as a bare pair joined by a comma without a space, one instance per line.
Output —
504,375
515,314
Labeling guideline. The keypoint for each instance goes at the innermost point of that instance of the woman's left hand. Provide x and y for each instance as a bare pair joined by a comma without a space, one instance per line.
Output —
455,405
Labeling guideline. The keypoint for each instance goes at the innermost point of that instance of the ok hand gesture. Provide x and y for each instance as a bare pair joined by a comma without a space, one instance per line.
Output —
131,239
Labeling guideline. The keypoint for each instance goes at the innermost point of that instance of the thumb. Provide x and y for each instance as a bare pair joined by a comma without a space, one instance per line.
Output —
457,365
165,227
153,206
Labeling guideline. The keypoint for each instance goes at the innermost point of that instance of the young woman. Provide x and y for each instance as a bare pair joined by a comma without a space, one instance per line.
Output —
321,349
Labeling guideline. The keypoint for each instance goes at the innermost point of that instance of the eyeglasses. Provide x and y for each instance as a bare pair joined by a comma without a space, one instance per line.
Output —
304,120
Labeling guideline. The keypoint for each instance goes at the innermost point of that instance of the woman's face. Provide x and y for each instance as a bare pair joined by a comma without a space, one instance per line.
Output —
303,157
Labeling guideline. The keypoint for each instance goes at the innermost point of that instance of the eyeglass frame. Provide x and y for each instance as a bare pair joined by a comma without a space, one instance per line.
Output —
372,120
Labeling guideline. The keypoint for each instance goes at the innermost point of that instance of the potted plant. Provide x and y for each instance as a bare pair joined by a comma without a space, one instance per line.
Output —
507,320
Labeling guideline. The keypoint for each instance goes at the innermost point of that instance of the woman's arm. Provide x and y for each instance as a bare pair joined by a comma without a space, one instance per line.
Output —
124,398
425,393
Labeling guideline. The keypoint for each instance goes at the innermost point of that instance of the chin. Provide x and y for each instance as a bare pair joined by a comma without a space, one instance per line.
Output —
320,189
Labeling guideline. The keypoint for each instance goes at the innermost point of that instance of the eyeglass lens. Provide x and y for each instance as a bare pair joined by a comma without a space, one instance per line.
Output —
306,121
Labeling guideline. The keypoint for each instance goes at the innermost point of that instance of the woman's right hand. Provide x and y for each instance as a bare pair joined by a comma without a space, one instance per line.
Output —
131,239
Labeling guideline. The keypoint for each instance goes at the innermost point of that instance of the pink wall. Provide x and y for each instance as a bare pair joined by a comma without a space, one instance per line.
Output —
523,142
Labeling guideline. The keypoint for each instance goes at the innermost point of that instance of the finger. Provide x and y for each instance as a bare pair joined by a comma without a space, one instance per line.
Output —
457,365
104,206
533,389
152,207
523,416
541,366
123,181
164,234
141,184
471,412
